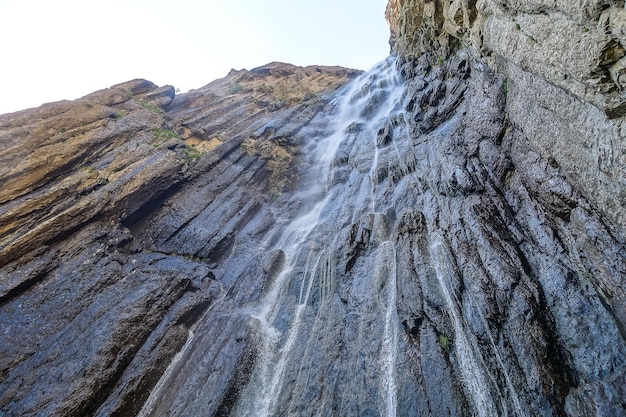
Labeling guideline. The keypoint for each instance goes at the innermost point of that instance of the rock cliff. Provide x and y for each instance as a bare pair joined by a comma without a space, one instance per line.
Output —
564,68
90,312
440,236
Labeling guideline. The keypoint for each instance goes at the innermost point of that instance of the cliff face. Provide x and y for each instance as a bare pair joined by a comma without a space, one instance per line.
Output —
90,311
564,64
443,235
550,81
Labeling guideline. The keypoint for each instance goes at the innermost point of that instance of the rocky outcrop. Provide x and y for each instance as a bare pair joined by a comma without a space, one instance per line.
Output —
516,236
444,235
588,35
563,65
92,314
551,73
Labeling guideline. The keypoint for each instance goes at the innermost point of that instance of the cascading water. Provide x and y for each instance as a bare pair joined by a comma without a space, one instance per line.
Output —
389,349
405,246
165,378
470,366
398,290
366,103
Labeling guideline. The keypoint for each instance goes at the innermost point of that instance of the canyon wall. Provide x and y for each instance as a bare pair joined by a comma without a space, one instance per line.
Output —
440,236
91,314
564,68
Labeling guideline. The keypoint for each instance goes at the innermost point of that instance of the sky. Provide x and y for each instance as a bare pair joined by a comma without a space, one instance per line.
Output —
65,49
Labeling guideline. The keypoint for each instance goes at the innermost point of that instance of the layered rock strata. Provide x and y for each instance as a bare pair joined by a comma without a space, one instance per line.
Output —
91,315
563,63
442,236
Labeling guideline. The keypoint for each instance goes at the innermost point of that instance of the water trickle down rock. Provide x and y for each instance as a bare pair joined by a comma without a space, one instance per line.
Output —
444,239
502,304
94,301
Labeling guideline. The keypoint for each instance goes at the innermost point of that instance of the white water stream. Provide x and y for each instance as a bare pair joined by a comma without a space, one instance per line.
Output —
283,316
475,381
474,371
389,351
366,102
148,406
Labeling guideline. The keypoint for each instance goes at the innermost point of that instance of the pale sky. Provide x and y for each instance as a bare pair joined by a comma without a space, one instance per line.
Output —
65,49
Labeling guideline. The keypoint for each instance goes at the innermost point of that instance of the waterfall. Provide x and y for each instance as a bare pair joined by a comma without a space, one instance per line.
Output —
366,102
326,333
442,235
382,286
389,349
470,361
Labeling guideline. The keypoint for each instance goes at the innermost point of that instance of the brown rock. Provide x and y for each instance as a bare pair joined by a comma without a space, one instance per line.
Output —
102,299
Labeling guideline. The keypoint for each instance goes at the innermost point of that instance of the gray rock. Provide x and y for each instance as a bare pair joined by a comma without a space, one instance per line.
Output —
439,237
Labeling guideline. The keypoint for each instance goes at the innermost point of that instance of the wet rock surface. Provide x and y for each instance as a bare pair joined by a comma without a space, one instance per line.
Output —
441,237
562,61
99,289
450,270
